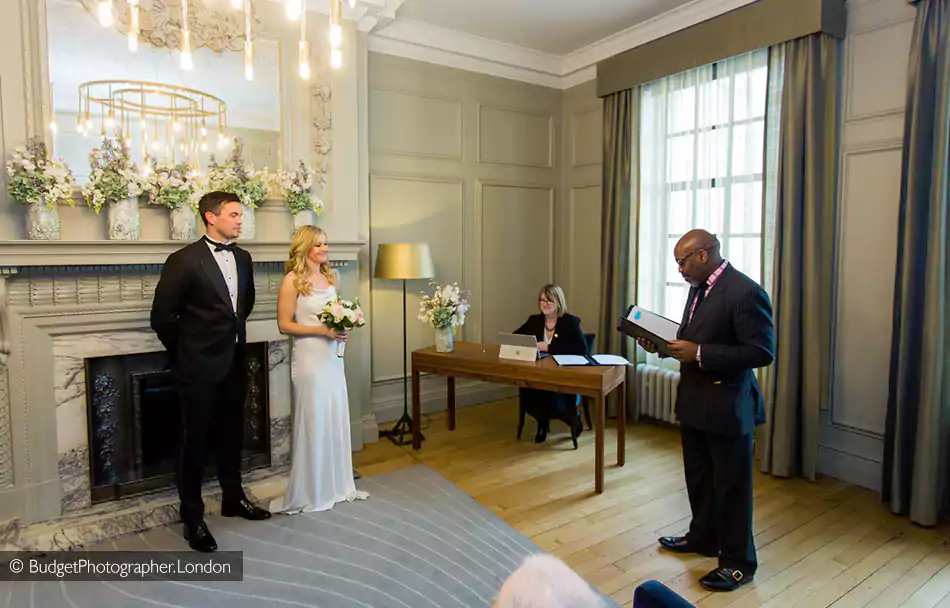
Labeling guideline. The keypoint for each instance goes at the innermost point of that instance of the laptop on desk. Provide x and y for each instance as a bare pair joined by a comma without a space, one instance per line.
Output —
518,347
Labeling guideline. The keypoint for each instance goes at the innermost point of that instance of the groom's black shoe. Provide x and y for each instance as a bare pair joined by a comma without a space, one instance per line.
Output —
246,510
199,537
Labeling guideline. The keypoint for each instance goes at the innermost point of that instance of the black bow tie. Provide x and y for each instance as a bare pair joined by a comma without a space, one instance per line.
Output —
220,246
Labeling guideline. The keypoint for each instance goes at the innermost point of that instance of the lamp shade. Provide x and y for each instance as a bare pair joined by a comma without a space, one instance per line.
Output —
404,261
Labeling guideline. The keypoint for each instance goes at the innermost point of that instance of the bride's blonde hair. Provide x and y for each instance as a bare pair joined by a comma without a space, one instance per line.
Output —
305,238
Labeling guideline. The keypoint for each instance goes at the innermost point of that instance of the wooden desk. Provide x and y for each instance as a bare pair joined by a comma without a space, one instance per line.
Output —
481,362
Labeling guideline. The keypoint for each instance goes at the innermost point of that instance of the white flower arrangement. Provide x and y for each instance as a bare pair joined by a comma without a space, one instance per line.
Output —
446,308
36,178
342,315
173,186
114,175
239,178
296,189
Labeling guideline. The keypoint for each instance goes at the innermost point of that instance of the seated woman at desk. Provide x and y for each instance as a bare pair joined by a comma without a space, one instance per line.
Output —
558,333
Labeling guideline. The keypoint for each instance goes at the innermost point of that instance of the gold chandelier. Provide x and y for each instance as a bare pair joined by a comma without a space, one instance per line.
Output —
169,121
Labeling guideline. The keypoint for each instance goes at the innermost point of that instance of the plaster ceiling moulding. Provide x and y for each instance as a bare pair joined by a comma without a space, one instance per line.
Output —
218,29
426,42
369,15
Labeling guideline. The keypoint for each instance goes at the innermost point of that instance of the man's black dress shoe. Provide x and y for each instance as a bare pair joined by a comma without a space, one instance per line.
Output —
199,537
356,474
681,544
725,579
246,510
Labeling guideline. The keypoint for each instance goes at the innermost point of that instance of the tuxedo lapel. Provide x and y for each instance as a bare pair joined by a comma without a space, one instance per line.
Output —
213,272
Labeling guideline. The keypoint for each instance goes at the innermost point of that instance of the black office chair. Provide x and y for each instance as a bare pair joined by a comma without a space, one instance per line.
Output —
583,401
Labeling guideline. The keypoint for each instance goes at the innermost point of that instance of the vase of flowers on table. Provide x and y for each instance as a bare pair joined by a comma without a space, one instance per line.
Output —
242,180
42,183
445,312
296,188
342,315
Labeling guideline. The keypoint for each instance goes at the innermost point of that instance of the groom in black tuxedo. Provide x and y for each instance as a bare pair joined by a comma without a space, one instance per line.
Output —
201,305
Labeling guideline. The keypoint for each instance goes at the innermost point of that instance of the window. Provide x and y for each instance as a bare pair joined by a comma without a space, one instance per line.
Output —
702,158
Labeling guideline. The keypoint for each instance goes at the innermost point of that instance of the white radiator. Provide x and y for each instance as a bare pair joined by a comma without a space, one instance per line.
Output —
656,392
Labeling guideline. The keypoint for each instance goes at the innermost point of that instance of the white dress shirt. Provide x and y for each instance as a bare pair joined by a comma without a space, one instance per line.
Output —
228,266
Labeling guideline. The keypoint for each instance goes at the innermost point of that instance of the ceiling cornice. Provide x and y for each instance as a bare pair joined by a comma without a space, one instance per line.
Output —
432,44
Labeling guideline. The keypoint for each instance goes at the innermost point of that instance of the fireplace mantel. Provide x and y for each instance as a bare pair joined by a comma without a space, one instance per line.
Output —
93,253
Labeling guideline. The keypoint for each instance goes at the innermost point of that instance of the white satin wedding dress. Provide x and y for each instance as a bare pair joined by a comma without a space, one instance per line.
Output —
321,469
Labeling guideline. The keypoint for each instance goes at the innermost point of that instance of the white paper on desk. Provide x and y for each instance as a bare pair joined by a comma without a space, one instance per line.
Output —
610,360
654,323
571,360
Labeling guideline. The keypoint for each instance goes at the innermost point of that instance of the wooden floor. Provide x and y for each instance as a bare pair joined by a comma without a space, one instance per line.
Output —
819,544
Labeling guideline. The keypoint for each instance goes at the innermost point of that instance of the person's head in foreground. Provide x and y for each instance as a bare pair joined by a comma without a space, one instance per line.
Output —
543,581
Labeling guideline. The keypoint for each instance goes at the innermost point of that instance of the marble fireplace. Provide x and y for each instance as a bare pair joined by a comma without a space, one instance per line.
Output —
84,390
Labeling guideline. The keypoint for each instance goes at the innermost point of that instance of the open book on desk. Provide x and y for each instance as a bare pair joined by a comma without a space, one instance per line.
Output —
590,360
641,323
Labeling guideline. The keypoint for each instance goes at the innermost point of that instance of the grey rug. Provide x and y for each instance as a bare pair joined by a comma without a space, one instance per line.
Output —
418,542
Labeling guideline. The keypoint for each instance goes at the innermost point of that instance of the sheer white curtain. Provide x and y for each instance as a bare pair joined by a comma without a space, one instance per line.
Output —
702,165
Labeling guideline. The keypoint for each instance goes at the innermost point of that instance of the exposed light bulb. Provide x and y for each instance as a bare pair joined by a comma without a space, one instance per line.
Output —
176,126
303,53
294,8
133,34
336,35
204,131
336,59
89,124
186,62
204,147
249,60
352,3
110,123
128,142
146,169
105,13
81,128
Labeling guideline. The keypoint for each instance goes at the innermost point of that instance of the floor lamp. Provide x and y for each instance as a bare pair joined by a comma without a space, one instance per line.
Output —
403,261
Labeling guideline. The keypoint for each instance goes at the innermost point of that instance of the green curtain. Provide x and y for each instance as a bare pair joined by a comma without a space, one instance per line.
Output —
802,276
915,469
618,225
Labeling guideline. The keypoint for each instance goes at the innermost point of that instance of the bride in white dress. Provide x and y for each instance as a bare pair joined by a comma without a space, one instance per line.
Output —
321,470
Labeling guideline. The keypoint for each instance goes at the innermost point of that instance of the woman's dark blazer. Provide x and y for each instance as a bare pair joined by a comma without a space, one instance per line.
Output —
568,338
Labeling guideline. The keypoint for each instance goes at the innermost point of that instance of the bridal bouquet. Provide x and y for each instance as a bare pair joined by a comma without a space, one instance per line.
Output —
342,315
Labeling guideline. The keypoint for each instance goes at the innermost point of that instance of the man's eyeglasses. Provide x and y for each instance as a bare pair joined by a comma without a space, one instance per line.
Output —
680,262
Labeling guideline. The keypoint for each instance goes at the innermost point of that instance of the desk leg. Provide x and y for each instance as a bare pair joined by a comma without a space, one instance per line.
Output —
622,424
599,414
416,411
450,386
